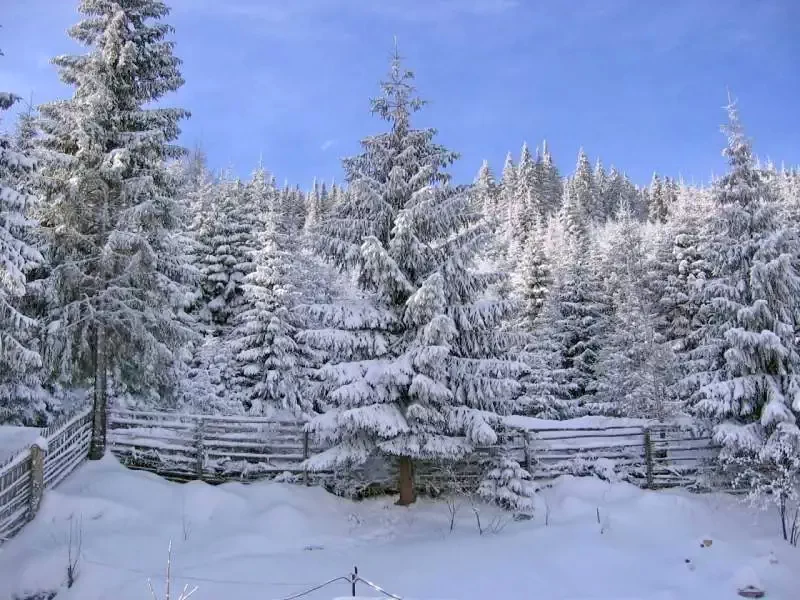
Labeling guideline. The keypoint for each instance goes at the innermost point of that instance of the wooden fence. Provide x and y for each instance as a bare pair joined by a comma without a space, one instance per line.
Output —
653,456
26,475
217,449
212,448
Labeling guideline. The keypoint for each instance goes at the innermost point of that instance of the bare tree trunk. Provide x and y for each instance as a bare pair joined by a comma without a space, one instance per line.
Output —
97,448
407,493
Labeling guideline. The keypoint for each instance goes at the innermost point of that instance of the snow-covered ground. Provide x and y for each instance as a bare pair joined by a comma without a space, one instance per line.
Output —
270,540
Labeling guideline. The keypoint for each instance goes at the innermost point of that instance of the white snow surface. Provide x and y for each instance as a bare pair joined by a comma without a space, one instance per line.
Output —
270,540
15,439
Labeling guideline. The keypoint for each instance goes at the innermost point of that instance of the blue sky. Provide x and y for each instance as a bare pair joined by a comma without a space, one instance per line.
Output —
639,83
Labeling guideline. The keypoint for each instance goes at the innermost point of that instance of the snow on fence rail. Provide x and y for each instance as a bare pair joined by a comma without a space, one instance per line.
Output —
59,449
216,449
212,448
652,454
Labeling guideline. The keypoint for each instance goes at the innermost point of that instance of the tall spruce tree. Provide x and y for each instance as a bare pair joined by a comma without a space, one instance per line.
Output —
417,372
584,188
552,186
110,217
22,399
271,360
750,382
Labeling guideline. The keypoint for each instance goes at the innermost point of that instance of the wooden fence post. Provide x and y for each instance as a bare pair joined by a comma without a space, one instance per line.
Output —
306,455
37,480
527,448
199,444
648,457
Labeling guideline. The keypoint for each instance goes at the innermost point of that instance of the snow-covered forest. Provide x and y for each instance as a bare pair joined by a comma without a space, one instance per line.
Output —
398,310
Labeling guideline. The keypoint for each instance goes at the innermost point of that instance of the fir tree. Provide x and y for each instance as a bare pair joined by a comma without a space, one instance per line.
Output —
509,486
228,241
22,399
271,361
749,384
486,194
658,208
583,188
110,218
506,202
534,278
552,191
416,372
635,366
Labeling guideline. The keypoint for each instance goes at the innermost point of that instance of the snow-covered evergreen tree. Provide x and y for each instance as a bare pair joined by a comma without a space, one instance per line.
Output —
635,367
552,191
749,384
417,372
228,241
22,399
486,194
509,486
659,207
110,218
506,202
526,208
583,188
545,388
534,276
271,361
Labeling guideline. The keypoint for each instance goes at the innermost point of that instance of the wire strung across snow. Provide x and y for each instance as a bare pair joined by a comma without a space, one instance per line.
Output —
352,579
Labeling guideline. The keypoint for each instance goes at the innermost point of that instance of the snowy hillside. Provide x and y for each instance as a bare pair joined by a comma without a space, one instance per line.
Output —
271,540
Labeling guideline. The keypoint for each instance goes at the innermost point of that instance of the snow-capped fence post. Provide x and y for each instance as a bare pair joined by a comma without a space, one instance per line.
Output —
37,478
648,457
199,445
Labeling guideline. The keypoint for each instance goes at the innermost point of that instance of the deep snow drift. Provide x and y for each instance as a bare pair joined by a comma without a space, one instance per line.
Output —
270,540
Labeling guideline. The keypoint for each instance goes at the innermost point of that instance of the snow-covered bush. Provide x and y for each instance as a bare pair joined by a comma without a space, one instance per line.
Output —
509,486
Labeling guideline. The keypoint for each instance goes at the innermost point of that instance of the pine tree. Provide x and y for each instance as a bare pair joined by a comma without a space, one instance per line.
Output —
509,486
552,187
271,360
602,184
545,392
658,208
750,384
583,188
228,240
534,278
506,202
110,218
417,372
486,194
525,209
22,399
635,367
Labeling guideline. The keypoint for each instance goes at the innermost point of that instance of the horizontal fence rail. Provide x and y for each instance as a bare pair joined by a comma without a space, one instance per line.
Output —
216,449
211,448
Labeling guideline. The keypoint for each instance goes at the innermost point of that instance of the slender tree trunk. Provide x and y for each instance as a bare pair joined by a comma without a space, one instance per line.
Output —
407,492
97,448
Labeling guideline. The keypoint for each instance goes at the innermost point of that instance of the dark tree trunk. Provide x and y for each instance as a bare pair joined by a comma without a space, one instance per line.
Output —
407,492
97,448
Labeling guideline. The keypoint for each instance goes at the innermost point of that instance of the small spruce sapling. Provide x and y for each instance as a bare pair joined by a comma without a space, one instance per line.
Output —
509,486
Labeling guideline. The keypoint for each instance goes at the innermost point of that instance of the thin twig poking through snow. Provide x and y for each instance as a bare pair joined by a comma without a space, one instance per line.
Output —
74,544
185,593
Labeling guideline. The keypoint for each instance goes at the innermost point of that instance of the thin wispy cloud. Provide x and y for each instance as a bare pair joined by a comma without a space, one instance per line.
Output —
327,145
